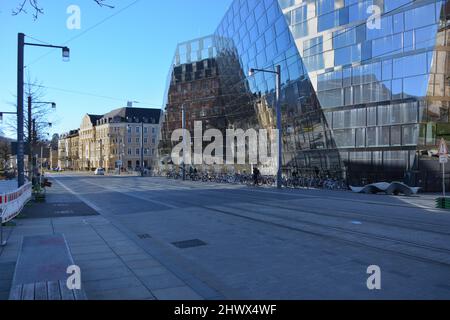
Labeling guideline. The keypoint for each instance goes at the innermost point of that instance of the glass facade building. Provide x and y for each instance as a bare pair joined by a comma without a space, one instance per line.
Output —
365,84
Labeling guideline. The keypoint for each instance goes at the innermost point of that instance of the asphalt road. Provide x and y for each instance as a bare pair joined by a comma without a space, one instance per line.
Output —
259,243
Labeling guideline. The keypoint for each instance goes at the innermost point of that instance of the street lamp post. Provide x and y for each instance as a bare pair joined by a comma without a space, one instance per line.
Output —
30,133
33,139
142,148
122,153
277,72
20,66
183,119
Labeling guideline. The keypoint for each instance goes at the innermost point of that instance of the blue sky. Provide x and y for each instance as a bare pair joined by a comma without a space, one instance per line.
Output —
125,58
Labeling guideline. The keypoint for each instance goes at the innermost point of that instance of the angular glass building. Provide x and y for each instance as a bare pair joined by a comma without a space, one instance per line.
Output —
365,84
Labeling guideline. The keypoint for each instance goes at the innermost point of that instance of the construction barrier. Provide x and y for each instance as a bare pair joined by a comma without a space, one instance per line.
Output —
12,203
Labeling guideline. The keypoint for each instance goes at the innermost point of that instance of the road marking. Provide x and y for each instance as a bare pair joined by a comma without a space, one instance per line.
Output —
134,196
405,204
89,203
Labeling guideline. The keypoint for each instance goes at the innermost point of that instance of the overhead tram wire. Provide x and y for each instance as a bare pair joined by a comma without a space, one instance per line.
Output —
90,94
86,31
136,1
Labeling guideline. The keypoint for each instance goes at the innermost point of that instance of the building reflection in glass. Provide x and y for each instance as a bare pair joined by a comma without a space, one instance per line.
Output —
360,103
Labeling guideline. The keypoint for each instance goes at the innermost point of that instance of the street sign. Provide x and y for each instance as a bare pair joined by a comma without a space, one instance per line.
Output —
443,149
443,159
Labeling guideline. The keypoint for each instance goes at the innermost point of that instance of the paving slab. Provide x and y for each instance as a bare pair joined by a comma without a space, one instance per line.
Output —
42,259
133,293
177,293
55,210
162,281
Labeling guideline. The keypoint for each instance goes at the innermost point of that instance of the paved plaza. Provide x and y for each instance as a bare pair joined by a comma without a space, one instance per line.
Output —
155,238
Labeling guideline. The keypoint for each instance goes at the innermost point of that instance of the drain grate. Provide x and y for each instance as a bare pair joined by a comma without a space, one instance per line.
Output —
189,244
144,236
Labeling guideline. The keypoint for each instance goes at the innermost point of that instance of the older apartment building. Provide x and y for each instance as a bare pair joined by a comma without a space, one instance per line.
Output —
68,151
123,138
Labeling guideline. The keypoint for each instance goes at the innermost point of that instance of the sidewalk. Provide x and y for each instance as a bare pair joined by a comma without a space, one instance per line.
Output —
113,266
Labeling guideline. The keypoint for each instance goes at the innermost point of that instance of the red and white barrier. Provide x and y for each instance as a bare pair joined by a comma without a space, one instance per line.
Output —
12,203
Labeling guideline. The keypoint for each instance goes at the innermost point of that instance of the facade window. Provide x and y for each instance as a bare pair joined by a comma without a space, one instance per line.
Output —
410,134
347,55
420,17
344,38
138,130
129,152
138,151
328,21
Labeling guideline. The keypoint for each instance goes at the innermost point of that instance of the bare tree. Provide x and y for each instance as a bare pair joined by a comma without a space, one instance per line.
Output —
5,152
23,5
40,111
54,141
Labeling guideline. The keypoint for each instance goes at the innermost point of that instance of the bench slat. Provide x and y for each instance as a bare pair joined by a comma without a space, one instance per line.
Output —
40,272
16,293
80,294
40,291
53,291
28,291
66,294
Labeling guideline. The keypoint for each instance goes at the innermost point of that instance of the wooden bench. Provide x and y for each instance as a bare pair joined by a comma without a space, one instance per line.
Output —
40,272
51,290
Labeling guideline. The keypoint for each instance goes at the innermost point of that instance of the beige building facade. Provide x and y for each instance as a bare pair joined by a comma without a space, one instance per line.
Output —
125,138
68,151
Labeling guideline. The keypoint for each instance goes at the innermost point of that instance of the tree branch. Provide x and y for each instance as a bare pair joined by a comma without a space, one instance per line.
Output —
102,3
38,10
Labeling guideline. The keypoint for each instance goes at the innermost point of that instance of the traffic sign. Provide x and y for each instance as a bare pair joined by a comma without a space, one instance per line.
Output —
443,159
443,149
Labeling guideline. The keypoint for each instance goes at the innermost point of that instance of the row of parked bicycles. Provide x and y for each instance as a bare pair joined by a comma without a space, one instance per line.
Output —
295,182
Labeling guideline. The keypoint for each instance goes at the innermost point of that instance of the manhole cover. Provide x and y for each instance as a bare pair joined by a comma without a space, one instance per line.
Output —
189,244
